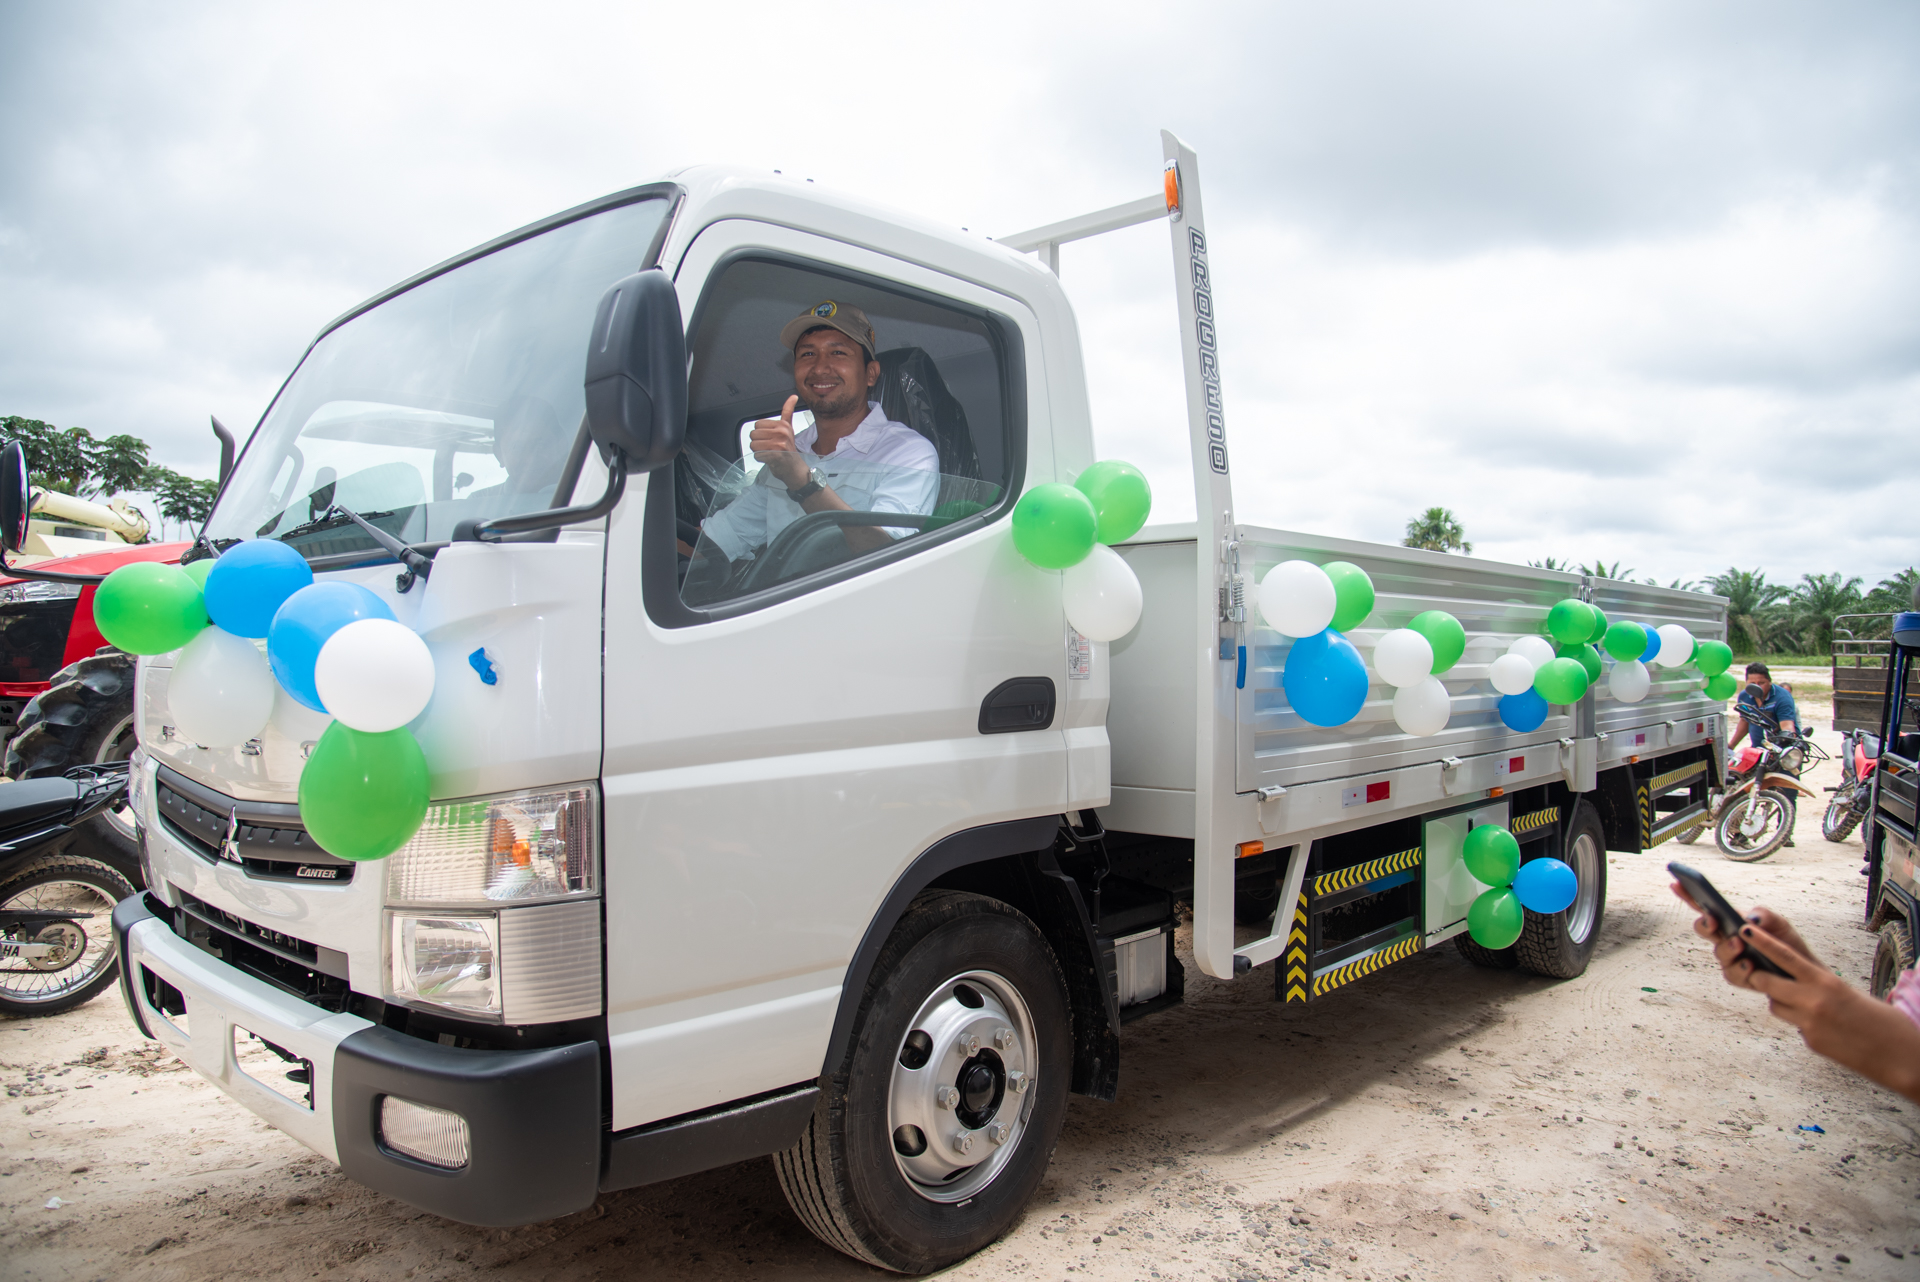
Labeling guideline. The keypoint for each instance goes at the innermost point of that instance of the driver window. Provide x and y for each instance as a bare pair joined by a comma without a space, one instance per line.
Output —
834,424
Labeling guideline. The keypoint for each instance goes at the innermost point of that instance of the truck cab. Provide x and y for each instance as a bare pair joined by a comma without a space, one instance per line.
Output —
757,830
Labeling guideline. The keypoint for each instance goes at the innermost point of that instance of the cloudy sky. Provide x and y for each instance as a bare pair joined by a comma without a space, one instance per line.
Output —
1626,281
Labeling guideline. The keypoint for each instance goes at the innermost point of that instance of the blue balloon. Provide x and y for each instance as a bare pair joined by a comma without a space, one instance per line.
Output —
302,626
1545,886
1653,643
250,581
1524,711
1325,679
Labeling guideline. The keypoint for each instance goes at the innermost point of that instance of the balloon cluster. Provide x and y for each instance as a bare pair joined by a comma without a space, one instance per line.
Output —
1325,679
1069,528
334,648
1536,673
1544,886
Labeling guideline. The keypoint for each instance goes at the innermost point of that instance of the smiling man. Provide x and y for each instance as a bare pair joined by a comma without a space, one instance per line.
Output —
851,458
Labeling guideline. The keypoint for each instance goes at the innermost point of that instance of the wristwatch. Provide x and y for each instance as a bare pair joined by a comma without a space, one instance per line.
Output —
816,481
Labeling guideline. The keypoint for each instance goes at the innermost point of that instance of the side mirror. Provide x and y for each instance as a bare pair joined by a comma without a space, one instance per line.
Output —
13,497
636,380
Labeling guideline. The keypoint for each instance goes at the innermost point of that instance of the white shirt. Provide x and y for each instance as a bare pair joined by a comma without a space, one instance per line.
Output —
881,466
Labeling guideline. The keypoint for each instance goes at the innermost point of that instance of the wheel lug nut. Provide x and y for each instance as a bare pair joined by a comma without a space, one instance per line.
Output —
1018,1082
946,1097
999,1132
963,1141
969,1045
1003,1038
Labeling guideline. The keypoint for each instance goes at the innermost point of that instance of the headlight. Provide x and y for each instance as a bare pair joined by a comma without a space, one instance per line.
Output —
37,590
448,961
517,847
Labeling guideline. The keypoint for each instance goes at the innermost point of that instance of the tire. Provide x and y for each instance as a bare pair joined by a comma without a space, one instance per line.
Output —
1491,958
1692,834
62,882
958,966
1559,945
1891,955
1772,825
84,717
1840,820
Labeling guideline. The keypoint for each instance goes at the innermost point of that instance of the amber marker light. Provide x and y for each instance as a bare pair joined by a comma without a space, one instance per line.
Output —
1248,849
1171,180
1496,792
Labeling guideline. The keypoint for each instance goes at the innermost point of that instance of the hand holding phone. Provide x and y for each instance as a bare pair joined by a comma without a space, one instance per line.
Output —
1715,905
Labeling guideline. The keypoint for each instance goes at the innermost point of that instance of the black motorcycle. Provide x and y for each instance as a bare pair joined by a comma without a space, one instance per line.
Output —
56,904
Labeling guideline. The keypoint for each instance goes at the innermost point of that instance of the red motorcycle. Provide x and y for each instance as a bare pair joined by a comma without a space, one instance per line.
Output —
1859,756
1757,810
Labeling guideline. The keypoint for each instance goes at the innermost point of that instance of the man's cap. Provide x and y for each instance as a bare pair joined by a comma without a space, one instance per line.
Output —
845,317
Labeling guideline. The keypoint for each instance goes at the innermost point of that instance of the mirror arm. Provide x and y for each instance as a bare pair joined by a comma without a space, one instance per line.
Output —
226,447
45,576
496,528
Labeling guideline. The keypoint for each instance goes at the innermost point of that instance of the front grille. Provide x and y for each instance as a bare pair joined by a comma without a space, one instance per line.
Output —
272,845
306,970
33,637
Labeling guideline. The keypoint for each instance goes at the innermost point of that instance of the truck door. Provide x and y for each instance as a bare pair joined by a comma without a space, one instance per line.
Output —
794,703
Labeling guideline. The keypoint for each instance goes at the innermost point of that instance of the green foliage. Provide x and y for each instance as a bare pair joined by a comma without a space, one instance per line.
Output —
1756,614
1601,570
71,461
1553,563
1437,530
180,498
1815,603
1893,595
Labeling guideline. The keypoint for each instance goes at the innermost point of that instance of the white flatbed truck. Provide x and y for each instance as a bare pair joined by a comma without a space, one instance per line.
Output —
851,853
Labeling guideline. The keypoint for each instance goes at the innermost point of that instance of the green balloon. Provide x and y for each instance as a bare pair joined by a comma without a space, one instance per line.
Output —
1721,686
362,796
1496,919
1561,681
1712,658
1491,854
1570,621
199,570
1352,594
1599,632
1054,525
1626,641
1586,656
149,608
1120,496
1444,633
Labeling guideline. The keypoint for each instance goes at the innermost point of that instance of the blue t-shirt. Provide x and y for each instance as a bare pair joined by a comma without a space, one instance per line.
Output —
1778,704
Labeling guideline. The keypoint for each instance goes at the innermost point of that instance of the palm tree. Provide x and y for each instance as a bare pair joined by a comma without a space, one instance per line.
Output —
1601,570
1815,603
1753,607
1437,530
1895,594
1553,563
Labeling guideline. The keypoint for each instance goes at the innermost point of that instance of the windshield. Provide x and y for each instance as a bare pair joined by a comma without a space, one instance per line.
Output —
459,398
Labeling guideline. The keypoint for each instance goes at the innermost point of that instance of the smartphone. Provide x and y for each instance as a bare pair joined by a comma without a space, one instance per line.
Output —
1716,906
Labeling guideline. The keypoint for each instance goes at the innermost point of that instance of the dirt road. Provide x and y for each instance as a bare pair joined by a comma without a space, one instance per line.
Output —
1435,1120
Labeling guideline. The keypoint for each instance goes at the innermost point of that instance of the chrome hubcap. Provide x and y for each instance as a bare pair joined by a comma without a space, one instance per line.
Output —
1584,858
962,1086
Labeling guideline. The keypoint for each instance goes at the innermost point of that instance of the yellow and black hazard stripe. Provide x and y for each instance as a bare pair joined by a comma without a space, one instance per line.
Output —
1328,883
1644,796
1664,783
1296,958
1538,819
1365,964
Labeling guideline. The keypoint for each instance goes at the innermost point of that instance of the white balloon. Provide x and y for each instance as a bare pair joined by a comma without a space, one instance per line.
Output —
1422,709
1404,658
1511,674
1676,645
1536,650
1297,598
295,719
374,675
1629,681
221,691
1101,595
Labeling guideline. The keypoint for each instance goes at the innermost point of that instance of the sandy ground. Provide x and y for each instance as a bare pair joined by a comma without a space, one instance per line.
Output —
1643,1121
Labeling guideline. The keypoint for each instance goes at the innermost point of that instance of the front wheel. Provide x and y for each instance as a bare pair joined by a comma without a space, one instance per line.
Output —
56,934
1559,945
934,1130
1754,827
1841,818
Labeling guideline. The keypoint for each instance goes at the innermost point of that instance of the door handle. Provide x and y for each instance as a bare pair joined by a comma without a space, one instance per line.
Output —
1022,703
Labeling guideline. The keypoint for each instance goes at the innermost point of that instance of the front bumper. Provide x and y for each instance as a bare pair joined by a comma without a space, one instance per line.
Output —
533,1116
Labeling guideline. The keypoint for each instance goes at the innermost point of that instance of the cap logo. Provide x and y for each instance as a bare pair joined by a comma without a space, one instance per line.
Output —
825,311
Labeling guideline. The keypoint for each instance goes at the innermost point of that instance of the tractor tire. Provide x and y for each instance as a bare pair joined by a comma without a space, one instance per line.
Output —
83,718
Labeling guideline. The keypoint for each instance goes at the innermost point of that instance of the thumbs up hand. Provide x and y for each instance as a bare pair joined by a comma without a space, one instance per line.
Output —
772,444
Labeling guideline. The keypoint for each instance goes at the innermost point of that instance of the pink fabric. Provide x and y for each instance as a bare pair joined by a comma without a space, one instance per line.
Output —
1905,996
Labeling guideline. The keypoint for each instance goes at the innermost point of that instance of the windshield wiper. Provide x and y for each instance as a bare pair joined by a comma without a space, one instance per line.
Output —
419,564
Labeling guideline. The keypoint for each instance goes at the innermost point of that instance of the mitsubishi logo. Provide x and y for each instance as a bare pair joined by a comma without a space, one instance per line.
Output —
230,843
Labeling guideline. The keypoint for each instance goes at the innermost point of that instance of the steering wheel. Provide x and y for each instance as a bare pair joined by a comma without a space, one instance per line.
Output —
770,567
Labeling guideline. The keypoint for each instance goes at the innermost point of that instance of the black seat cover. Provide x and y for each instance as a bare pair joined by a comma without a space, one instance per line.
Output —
34,803
912,392
1870,743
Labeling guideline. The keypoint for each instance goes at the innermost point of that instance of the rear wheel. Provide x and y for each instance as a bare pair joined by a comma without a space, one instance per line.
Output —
1559,945
1754,827
56,924
934,1130
1892,954
83,718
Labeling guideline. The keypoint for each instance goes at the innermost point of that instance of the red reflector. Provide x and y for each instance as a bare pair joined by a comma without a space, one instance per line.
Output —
1379,791
1516,765
1699,727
